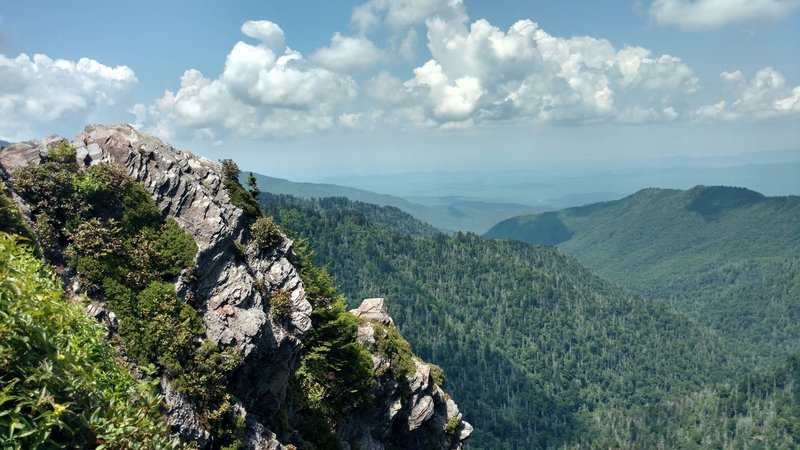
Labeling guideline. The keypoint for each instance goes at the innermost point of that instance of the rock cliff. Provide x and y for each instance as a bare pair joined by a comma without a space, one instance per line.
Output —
410,412
233,289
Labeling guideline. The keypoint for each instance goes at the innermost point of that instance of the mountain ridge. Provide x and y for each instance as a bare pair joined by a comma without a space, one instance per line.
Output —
727,256
260,308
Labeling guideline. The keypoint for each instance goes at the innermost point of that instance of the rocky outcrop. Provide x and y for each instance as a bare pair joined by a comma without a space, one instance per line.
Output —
233,283
236,315
409,412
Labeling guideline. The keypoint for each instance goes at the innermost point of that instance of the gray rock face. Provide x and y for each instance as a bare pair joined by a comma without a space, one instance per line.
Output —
374,310
190,190
234,293
236,315
182,416
412,412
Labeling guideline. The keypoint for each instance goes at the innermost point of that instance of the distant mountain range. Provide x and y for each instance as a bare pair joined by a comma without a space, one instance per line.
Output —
729,257
4,144
447,213
535,346
568,185
546,354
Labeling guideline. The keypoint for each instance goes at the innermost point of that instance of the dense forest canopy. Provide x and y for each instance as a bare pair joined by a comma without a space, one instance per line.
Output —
728,257
525,332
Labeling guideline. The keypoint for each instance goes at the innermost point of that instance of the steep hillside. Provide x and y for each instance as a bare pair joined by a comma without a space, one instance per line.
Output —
247,340
729,257
533,343
448,215
761,411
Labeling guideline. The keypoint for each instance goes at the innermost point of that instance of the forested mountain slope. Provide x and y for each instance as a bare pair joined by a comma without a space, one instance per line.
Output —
729,257
762,411
533,343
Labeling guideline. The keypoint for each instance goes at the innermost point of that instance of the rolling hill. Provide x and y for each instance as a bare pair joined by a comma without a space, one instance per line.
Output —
729,257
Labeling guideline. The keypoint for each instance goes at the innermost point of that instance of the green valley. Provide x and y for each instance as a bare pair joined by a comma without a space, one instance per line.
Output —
535,346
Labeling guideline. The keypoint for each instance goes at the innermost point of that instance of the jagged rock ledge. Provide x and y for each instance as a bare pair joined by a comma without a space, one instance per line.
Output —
236,315
413,412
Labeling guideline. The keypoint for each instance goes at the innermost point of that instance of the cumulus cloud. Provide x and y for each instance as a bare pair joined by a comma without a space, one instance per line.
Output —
708,14
39,92
399,14
348,54
766,95
480,73
265,89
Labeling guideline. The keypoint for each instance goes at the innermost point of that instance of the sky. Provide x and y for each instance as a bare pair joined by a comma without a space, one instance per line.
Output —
315,88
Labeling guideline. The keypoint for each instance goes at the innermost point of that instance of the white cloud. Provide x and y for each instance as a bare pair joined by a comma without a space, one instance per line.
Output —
348,54
385,88
480,73
39,94
400,14
269,33
766,95
265,89
709,14
349,120
454,101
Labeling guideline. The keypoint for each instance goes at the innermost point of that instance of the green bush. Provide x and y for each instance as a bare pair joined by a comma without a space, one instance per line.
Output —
62,153
230,170
335,373
162,330
265,234
48,189
281,305
11,220
139,210
438,374
176,249
61,383
48,235
241,198
397,349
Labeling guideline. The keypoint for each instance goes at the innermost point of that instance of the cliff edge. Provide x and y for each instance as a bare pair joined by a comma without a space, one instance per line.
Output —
233,286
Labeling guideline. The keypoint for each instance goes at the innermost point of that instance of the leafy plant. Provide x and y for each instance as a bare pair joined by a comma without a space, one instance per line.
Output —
241,198
281,305
265,234
62,384
397,349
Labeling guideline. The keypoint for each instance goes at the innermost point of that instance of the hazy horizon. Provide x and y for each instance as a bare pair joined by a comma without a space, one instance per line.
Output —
327,90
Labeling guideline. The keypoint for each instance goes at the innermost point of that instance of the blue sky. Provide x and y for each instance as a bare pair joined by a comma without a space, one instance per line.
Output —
311,88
